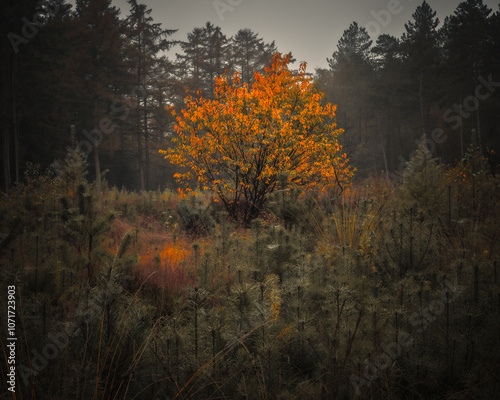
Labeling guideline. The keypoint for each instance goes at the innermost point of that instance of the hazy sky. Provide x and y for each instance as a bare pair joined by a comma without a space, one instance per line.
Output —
308,28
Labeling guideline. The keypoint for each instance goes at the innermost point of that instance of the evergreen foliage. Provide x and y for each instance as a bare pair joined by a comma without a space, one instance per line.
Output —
378,293
424,179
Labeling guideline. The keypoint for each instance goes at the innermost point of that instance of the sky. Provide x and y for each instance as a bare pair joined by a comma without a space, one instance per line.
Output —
310,29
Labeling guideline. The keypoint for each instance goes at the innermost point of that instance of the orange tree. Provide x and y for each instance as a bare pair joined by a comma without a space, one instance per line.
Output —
249,141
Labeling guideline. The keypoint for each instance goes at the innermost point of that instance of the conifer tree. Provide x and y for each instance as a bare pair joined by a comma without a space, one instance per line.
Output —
467,45
249,54
33,85
352,70
388,98
424,180
420,45
147,41
98,70
205,58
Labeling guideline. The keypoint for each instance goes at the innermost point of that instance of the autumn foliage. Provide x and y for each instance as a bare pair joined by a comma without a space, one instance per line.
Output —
165,266
250,141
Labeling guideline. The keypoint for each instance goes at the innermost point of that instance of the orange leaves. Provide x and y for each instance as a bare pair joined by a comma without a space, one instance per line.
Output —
241,142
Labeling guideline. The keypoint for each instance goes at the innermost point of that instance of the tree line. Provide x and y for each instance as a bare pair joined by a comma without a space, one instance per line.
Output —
91,77
438,79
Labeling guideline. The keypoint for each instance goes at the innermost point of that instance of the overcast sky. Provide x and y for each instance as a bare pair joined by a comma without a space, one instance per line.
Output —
308,28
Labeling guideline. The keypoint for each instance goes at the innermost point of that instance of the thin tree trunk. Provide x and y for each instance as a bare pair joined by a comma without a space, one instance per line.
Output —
146,144
15,121
461,132
478,125
385,158
97,166
6,156
6,99
96,153
139,152
421,95
139,138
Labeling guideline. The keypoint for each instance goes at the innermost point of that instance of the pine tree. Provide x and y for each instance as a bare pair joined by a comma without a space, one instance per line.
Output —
33,113
424,181
353,47
249,54
147,42
468,43
205,58
98,70
388,98
352,71
420,45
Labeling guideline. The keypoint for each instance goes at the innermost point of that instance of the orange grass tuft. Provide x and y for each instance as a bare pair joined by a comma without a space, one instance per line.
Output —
169,265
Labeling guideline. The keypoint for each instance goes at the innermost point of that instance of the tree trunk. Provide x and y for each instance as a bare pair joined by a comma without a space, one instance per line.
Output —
15,119
384,155
6,155
138,118
97,166
6,92
96,152
139,146
146,144
461,132
421,96
139,153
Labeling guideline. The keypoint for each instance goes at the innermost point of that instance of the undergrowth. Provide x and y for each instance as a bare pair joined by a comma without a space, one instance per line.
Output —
381,292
